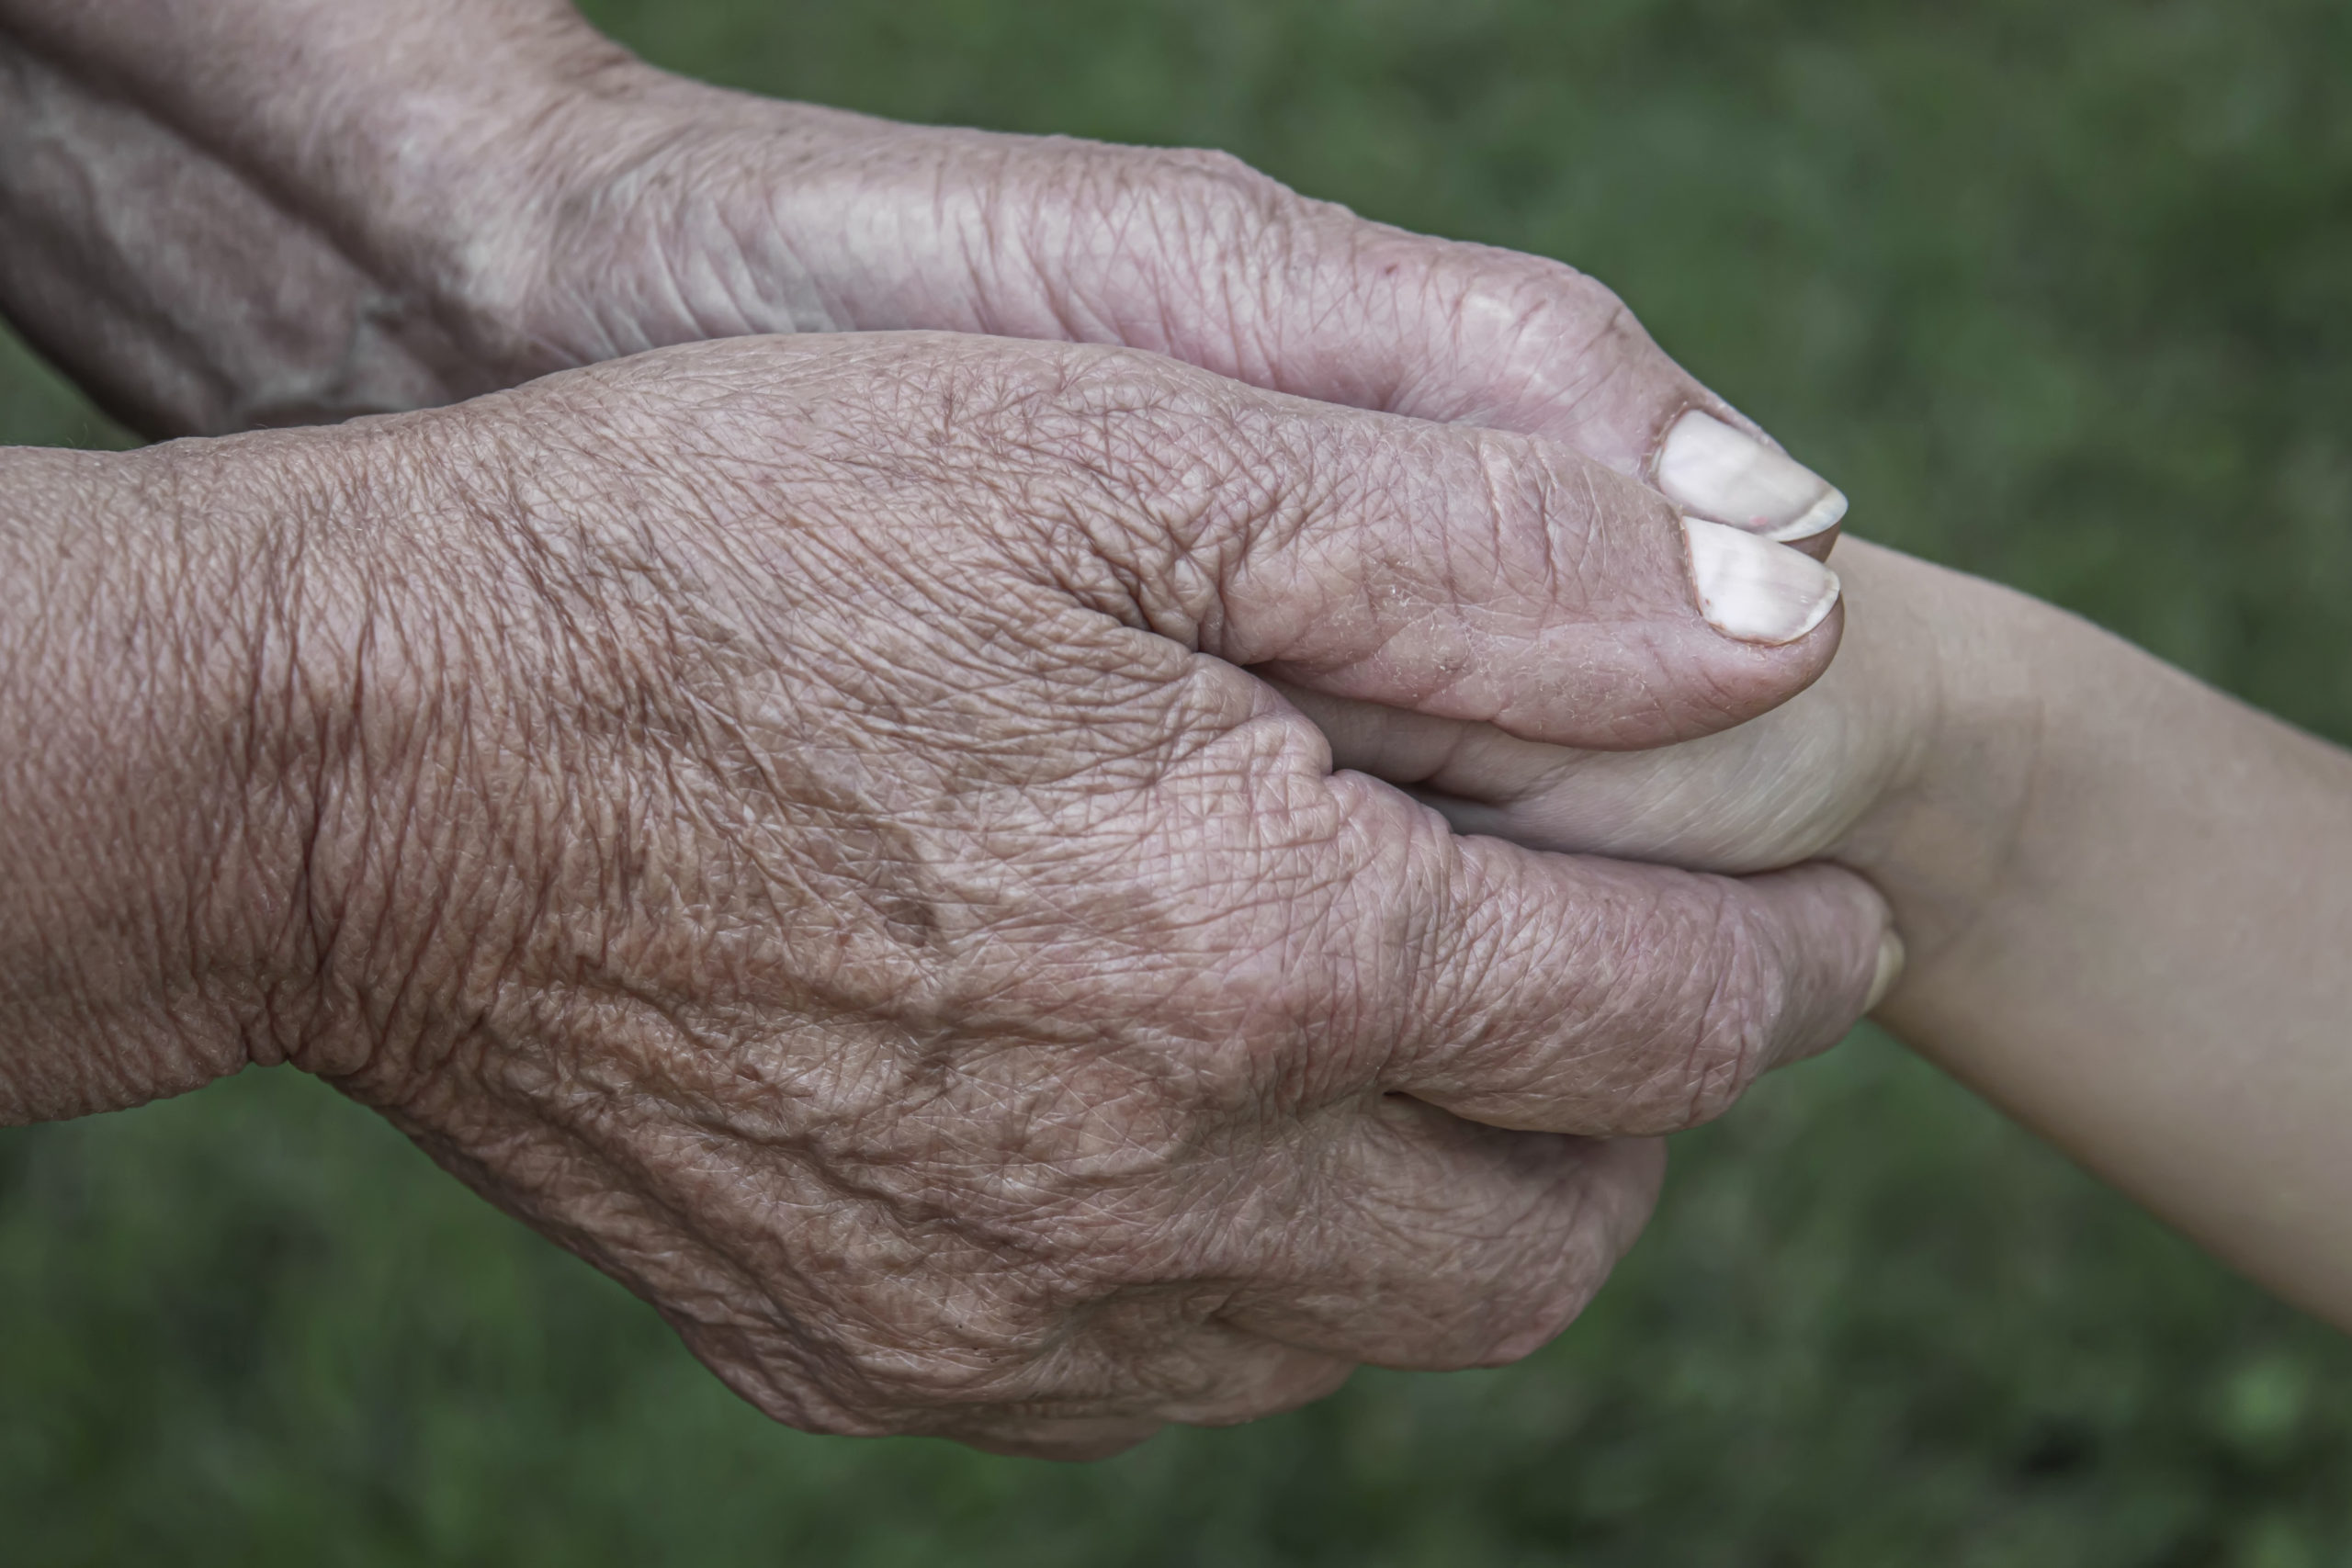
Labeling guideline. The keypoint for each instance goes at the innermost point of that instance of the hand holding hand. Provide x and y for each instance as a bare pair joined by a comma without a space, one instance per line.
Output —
2126,895
788,818
1909,760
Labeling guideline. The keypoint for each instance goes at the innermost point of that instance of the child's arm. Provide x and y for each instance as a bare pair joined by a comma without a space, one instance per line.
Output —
2128,897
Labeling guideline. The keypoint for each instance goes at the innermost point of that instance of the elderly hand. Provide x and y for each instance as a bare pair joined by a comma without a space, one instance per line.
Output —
787,818
357,208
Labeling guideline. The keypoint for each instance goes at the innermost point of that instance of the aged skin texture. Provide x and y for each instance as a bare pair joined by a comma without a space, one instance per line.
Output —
790,819
793,820
278,211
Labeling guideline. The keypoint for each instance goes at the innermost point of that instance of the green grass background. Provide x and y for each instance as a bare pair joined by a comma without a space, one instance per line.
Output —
2060,293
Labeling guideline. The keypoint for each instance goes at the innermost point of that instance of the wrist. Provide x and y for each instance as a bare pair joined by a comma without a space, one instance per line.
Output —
174,710
407,136
117,818
1968,666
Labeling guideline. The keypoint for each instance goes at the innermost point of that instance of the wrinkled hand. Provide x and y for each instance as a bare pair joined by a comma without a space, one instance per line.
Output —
409,204
786,817
679,212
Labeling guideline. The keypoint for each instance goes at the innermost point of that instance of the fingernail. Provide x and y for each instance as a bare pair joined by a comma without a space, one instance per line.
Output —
1753,590
1728,475
1889,970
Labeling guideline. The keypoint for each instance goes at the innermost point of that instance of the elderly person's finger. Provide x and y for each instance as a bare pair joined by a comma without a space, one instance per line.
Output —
1478,575
1433,1242
1466,574
1551,992
1196,255
1646,1001
1791,785
1191,255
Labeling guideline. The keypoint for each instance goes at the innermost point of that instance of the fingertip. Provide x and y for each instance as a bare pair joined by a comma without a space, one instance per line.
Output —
1822,517
1753,590
1818,546
1510,581
1709,680
1716,471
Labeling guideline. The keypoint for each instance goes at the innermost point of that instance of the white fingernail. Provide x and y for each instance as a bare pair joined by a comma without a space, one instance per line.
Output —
1753,590
1728,475
1889,970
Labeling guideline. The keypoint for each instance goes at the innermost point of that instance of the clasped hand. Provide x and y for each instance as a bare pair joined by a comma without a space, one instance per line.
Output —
812,823
880,920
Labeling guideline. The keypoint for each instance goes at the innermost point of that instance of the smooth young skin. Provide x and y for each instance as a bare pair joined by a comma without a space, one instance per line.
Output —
786,817
2128,897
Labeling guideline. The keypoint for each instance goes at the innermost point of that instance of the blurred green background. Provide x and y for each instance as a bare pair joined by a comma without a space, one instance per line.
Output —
2060,293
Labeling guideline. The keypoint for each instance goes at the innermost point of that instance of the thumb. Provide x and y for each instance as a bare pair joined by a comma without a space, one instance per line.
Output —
1471,574
1198,256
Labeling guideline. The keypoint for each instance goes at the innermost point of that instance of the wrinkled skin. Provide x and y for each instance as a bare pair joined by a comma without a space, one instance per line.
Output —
788,819
792,821
364,209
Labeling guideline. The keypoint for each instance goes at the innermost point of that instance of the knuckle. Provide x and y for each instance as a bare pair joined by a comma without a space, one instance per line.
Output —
1545,329
1569,313
1130,480
968,1357
1257,897
1216,184
1598,334
1472,1245
1523,531
1404,948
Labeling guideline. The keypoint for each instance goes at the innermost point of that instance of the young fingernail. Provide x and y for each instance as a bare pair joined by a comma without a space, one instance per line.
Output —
1728,475
1753,590
1889,970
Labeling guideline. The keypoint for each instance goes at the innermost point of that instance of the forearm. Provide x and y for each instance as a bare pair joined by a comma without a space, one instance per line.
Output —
377,120
265,212
144,838
173,288
2145,959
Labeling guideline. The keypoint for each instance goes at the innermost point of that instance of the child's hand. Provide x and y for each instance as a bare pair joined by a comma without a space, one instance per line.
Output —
1907,760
